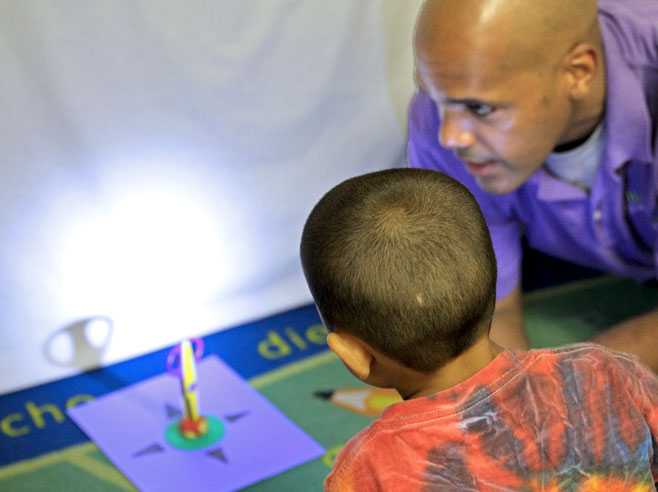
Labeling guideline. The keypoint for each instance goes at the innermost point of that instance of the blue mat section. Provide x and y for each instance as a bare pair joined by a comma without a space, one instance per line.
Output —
33,421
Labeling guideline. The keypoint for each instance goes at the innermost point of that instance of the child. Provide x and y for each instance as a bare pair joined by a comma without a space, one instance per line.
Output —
401,267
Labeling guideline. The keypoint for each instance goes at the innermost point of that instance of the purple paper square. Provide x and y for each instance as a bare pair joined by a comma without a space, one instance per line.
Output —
129,426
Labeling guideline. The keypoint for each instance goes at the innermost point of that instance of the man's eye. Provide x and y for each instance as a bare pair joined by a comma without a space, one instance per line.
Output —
480,109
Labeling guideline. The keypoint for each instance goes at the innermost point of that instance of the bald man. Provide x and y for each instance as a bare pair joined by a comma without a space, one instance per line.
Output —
547,110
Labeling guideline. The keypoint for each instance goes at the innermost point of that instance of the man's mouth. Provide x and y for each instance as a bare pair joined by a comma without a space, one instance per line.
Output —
479,168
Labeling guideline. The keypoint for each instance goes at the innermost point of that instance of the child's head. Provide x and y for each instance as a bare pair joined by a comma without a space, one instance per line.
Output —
402,260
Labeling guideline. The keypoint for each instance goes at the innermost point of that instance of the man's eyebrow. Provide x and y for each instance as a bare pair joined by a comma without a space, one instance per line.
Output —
468,102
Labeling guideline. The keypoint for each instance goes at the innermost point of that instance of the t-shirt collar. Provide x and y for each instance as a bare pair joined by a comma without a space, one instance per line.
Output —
450,400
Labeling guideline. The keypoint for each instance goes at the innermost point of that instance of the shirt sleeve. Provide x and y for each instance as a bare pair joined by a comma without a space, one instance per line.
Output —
643,387
352,470
424,151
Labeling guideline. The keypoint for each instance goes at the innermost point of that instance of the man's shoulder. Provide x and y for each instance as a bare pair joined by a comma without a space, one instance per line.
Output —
634,25
632,10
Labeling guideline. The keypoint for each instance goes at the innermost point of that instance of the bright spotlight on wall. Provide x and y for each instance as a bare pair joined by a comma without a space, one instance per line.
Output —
153,257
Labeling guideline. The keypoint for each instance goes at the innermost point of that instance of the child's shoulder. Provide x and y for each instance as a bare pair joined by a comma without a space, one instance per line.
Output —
581,351
583,358
351,458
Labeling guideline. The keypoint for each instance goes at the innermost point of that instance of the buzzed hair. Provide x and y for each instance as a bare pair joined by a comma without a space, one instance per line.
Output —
403,260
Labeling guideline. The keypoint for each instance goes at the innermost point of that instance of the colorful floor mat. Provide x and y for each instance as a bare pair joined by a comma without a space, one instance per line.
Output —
285,359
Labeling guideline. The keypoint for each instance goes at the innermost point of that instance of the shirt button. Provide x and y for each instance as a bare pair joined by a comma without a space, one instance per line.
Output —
597,215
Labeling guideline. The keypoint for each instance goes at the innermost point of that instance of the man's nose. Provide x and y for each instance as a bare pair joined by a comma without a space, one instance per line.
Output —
455,131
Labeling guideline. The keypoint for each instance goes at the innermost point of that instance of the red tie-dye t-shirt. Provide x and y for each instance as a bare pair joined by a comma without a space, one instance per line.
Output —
574,419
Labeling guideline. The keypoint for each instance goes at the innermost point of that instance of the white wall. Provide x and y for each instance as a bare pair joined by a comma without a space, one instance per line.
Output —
159,157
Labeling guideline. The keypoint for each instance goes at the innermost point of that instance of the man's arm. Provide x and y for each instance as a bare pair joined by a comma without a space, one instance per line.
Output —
507,326
637,336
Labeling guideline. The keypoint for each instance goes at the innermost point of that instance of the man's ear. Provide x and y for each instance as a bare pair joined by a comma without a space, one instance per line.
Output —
354,353
582,64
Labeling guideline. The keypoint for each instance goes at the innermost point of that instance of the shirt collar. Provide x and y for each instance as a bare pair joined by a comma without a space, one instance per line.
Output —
450,401
550,188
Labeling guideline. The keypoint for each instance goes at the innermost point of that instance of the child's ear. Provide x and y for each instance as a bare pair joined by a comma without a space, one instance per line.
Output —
353,352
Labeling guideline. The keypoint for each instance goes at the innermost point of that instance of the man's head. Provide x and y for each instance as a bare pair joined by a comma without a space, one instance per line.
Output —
512,80
402,260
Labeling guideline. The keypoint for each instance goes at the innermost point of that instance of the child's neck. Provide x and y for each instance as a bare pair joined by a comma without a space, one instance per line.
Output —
454,372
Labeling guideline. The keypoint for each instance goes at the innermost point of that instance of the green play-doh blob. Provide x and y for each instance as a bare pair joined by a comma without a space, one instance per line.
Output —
215,432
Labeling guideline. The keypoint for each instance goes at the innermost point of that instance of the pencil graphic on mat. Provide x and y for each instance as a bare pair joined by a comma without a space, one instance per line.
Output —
366,401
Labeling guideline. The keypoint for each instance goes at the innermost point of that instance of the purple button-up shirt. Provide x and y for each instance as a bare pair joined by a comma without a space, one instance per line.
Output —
614,228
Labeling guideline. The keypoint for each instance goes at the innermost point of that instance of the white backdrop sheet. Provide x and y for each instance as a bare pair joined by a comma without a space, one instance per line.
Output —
159,158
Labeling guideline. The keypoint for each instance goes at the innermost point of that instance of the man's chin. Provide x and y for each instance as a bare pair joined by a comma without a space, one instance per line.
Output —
496,185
